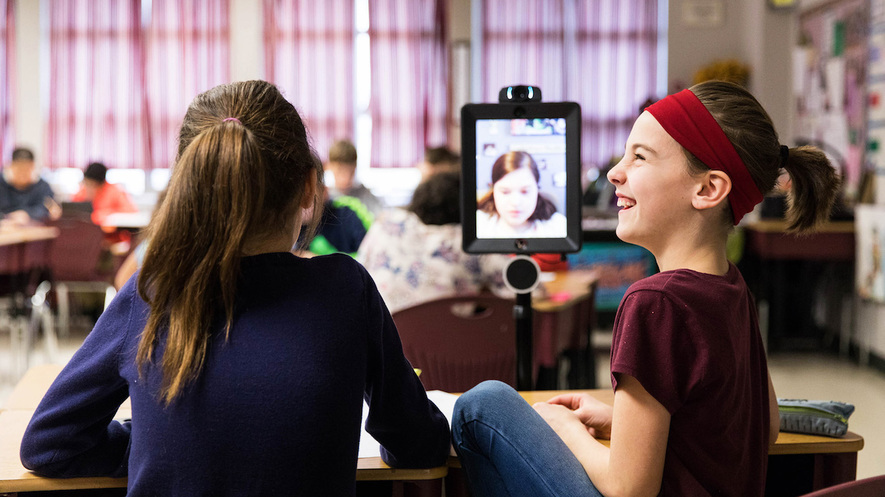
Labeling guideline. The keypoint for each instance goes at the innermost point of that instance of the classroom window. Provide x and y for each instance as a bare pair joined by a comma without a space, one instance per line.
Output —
122,73
603,54
187,50
309,54
409,56
373,71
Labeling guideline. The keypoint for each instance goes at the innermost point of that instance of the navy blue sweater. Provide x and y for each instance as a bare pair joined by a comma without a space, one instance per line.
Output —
31,200
276,408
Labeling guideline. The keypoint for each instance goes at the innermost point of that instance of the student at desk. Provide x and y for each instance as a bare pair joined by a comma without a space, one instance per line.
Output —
246,365
106,198
694,409
24,196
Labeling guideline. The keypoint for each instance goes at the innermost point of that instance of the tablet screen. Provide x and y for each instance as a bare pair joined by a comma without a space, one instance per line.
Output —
520,175
521,178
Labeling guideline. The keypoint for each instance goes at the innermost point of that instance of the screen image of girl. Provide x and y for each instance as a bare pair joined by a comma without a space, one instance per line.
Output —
514,207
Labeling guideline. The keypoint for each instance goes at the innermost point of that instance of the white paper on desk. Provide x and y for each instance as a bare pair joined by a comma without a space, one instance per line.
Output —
369,447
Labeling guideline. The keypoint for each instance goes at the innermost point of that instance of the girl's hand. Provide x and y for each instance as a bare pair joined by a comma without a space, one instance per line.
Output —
563,421
594,414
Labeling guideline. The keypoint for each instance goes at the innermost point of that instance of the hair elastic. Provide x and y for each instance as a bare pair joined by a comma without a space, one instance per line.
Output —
785,154
684,117
234,119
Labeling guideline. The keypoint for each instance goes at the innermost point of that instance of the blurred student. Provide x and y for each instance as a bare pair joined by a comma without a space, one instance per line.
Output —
24,196
694,410
342,164
438,160
514,206
246,366
343,224
106,198
415,255
135,258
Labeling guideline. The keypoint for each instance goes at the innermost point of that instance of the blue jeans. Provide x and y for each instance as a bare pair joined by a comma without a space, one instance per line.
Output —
507,449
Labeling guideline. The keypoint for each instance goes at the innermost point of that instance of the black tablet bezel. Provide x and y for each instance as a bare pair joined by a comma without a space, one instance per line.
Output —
470,114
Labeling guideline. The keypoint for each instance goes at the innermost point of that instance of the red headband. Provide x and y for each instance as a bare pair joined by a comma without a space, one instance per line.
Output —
686,119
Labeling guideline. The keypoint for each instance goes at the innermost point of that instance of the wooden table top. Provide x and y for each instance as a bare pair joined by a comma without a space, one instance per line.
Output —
566,289
10,235
33,385
20,406
22,402
787,443
780,226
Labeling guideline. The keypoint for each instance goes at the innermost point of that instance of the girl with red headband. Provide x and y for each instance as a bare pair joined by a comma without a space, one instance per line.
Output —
694,408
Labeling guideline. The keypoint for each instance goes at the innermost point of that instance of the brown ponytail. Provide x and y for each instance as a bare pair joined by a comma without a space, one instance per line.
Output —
751,131
814,189
234,181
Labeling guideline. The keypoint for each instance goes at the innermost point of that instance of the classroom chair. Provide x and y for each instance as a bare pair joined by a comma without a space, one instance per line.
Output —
459,341
868,487
74,265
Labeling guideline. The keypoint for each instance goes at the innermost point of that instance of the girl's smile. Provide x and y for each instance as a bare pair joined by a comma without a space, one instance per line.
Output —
653,186
625,202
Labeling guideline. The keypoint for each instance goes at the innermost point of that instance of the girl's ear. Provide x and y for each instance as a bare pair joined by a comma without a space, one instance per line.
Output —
310,191
713,188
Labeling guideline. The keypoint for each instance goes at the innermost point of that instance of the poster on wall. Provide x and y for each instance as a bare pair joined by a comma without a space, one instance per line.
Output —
830,75
870,232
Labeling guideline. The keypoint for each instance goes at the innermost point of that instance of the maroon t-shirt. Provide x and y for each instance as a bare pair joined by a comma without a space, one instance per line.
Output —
693,342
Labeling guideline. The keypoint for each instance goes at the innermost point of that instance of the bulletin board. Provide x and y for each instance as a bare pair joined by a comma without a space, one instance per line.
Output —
830,67
876,98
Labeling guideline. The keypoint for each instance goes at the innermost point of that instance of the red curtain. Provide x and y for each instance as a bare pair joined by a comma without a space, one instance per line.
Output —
409,101
523,44
7,65
96,84
121,77
309,56
188,52
599,53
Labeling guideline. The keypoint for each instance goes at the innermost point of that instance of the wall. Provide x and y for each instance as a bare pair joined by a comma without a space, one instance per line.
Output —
28,117
750,32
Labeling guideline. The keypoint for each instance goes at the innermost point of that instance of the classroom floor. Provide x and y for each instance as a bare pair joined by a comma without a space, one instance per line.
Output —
795,375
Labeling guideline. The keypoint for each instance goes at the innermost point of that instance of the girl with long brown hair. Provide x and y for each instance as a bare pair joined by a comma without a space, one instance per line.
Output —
247,366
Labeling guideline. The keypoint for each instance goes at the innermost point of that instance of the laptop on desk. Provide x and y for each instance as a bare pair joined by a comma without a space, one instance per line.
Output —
76,210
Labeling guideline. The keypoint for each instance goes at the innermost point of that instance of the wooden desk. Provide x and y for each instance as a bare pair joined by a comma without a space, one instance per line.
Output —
127,220
565,314
788,269
23,401
797,463
833,241
24,258
787,443
23,234
15,244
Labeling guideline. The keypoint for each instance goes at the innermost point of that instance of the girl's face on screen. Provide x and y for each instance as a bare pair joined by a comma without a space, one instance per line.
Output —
516,195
